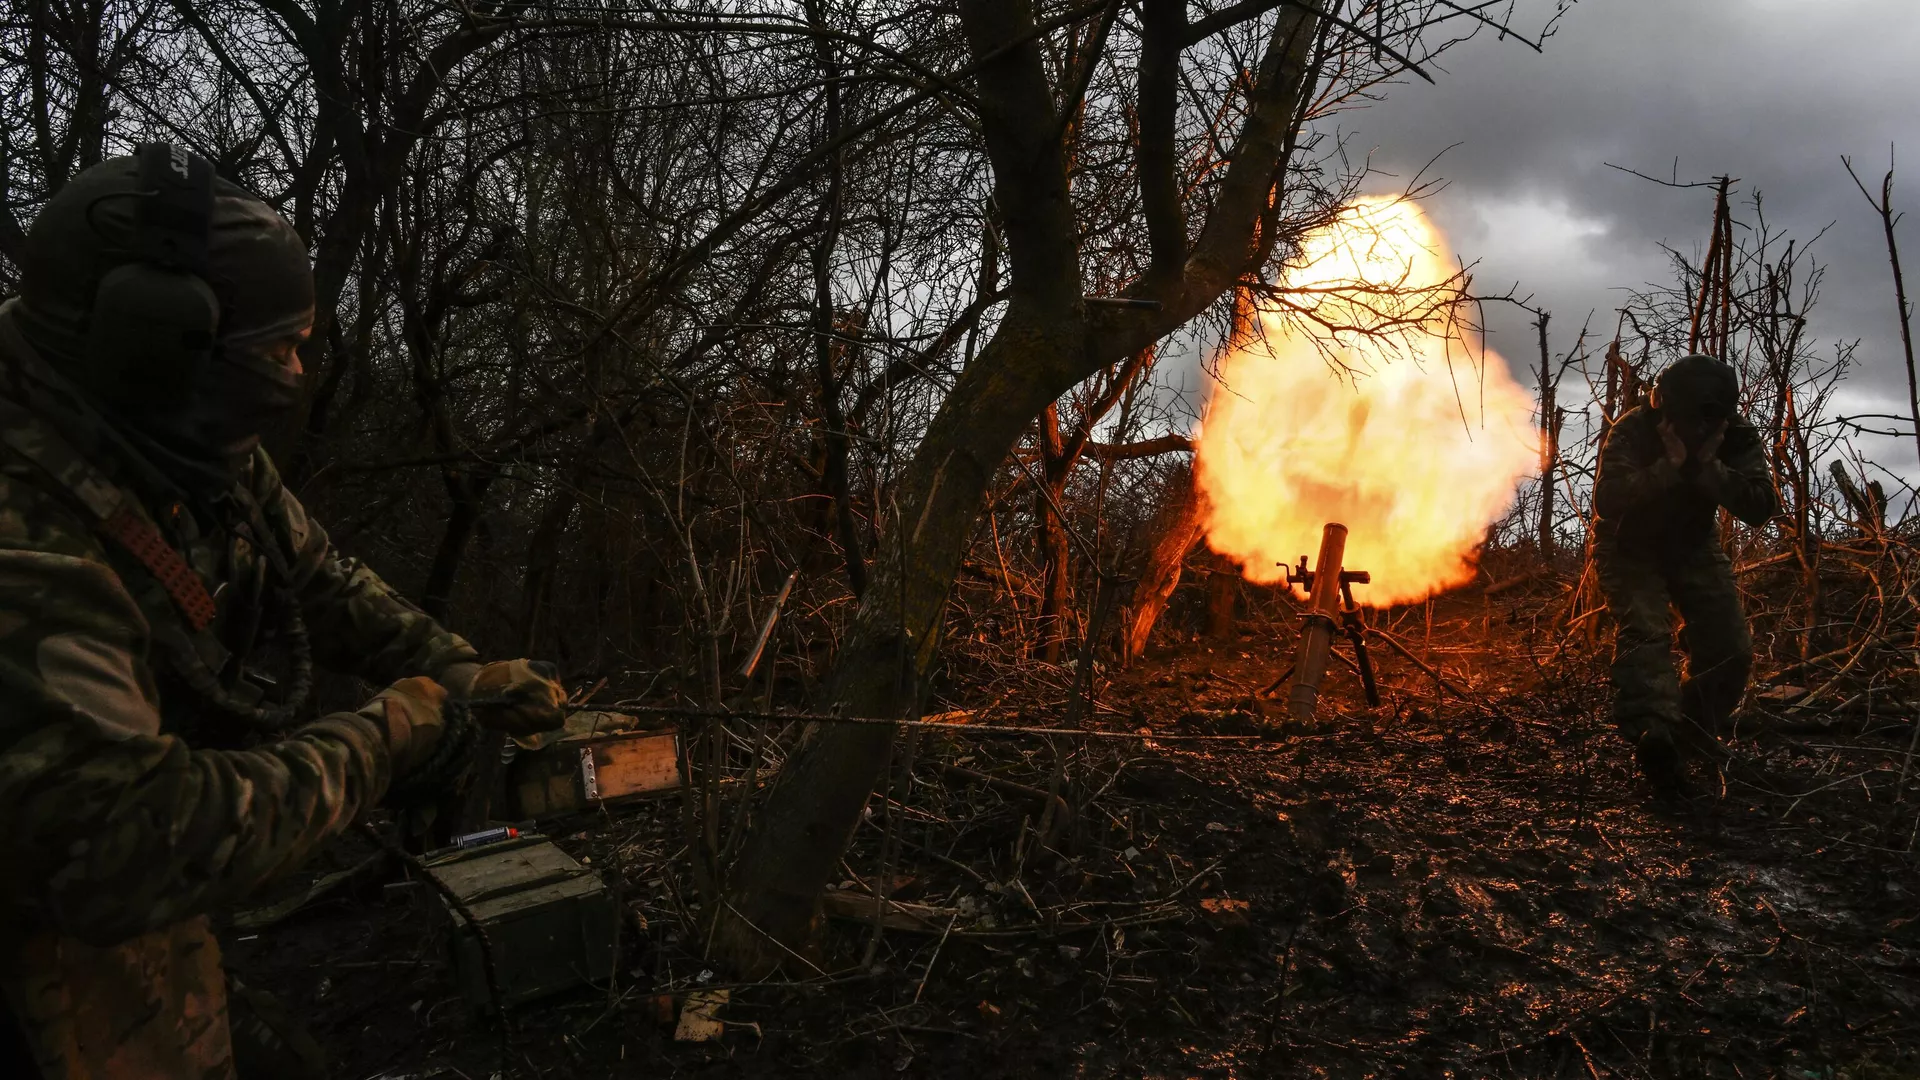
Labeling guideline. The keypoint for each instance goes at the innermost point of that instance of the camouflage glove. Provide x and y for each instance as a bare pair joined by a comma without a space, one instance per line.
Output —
516,697
412,712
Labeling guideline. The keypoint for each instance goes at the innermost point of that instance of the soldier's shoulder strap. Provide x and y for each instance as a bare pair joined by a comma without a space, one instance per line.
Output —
113,511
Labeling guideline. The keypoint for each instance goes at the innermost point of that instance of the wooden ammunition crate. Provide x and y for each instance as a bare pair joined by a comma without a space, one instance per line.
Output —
550,920
584,770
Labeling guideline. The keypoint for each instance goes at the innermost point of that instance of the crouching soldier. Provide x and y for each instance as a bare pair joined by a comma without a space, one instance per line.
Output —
1665,470
147,552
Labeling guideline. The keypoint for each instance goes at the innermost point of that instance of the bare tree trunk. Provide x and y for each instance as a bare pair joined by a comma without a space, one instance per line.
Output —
1056,567
1888,219
1798,472
1706,334
1549,442
828,351
469,497
1181,521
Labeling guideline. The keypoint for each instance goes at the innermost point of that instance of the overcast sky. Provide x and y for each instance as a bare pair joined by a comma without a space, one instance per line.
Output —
1772,92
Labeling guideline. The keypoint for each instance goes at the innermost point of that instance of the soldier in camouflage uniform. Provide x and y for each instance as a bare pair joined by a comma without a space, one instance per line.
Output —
1666,469
147,551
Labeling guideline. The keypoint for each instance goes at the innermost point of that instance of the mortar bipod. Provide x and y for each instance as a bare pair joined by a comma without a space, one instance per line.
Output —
1355,625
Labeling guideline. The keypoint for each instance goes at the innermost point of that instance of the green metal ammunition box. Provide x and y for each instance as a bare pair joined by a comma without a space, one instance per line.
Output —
551,921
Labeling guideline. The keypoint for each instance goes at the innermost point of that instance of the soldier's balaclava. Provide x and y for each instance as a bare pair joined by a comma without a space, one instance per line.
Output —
198,422
1695,394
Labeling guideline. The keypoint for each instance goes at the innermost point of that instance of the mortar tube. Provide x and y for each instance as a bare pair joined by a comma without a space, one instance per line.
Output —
1319,624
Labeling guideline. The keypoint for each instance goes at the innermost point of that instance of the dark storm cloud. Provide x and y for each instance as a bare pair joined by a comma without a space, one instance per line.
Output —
1768,91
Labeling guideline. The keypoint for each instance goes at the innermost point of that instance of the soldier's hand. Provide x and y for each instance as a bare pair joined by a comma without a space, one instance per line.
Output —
1675,446
518,697
1710,447
411,709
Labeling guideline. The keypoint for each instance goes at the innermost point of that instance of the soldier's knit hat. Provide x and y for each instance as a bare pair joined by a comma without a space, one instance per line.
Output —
1697,387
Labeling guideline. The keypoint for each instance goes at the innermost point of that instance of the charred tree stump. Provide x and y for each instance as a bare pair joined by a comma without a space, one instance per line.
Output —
1181,518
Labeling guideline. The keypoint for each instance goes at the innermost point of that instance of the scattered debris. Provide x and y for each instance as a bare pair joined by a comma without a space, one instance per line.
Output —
1781,695
1310,897
894,915
1225,912
700,1017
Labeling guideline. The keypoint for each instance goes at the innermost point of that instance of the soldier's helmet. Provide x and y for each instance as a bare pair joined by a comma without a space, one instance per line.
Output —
173,301
1697,389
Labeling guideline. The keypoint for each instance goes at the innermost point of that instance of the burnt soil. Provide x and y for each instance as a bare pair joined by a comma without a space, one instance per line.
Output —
1438,887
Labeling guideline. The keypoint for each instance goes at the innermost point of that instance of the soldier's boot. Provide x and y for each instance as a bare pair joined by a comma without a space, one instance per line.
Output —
267,1041
1659,762
1696,742
1706,702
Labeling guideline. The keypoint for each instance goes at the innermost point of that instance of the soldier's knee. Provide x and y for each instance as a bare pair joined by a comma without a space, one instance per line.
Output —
1642,659
1645,682
1715,626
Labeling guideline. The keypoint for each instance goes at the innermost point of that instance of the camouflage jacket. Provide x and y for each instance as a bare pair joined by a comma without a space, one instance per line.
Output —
118,831
1647,507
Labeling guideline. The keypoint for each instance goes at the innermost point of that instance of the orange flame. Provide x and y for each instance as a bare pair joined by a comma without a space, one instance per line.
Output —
1411,448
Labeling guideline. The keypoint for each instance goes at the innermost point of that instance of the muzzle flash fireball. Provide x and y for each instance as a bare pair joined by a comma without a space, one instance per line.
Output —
1416,445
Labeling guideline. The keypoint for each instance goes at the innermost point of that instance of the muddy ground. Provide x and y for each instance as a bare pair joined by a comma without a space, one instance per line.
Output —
1434,888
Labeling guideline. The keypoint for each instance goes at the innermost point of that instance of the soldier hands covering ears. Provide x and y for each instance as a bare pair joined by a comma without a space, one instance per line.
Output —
1667,469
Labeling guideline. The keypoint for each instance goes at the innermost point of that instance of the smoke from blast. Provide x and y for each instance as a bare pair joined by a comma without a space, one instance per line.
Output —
1416,448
